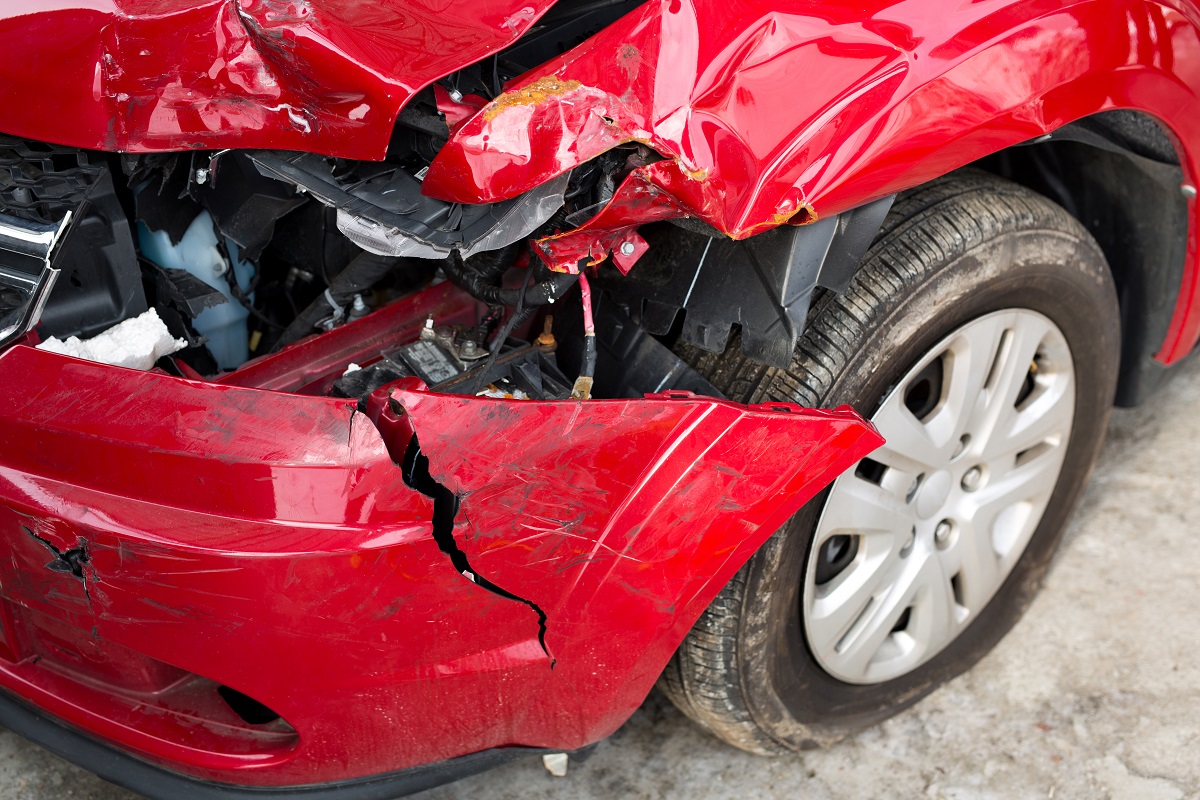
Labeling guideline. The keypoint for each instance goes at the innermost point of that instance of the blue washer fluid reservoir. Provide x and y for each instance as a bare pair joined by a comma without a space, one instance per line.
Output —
225,325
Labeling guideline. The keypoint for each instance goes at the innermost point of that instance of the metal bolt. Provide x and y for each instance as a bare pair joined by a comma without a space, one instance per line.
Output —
627,248
546,337
1188,190
359,306
469,348
202,176
456,95
972,479
941,534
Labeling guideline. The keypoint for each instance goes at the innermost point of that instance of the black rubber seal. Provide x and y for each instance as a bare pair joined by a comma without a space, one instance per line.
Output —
158,783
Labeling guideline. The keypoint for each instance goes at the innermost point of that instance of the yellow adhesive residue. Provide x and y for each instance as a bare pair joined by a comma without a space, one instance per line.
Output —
536,93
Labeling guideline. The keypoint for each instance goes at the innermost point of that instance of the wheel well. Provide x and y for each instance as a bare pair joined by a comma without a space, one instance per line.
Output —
1118,174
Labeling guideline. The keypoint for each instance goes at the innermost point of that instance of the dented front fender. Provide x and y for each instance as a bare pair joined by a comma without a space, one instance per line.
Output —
773,113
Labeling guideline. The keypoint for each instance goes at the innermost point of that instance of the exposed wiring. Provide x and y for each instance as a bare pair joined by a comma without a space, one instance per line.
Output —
519,315
582,390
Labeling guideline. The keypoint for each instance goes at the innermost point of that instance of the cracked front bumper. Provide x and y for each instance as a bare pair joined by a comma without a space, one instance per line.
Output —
266,543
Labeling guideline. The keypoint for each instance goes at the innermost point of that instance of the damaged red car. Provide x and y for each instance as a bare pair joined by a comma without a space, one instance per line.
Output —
389,390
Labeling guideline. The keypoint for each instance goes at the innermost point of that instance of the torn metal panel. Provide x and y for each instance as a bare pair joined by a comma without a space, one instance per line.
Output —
325,76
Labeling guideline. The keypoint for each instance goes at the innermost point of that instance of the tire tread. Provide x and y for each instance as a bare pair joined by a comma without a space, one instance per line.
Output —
926,228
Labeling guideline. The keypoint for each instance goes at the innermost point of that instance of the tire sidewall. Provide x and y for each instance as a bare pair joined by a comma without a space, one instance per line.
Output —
1060,275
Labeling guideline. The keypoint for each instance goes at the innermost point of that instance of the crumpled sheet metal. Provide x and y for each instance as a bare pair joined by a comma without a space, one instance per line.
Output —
777,112
325,76
640,199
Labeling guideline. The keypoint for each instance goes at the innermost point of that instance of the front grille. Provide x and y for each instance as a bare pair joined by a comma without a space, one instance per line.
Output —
41,182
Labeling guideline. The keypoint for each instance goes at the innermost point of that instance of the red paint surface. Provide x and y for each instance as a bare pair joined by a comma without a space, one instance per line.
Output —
325,76
266,541
759,107
762,108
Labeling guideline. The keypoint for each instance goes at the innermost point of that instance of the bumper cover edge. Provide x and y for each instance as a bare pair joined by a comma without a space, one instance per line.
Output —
152,781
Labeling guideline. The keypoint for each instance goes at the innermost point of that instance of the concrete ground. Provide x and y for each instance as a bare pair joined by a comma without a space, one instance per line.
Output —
1095,693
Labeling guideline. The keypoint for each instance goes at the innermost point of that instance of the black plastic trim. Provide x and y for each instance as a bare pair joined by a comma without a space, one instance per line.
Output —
158,783
763,284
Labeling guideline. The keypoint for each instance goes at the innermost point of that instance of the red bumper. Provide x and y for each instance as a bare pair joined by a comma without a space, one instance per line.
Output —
162,538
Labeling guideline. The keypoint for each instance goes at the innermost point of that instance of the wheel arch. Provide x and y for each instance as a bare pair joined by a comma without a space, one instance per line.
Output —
1118,173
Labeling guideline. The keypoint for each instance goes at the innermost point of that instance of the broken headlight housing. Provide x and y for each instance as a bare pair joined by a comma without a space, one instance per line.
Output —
27,273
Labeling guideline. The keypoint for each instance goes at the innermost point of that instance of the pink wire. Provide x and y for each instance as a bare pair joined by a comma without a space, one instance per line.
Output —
586,292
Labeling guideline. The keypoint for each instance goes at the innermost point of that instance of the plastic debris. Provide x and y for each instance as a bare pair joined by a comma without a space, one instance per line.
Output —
507,393
556,764
135,343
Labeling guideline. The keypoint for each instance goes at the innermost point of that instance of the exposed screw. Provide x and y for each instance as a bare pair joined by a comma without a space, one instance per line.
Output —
468,348
941,534
456,95
627,248
972,479
1188,190
546,337
202,176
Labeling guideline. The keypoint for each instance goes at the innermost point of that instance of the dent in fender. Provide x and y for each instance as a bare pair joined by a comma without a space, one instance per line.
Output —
775,113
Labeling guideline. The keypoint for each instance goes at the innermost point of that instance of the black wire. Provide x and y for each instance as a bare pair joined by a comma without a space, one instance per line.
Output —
236,290
519,314
588,368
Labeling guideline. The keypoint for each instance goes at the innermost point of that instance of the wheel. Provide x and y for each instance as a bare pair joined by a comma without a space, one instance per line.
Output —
981,337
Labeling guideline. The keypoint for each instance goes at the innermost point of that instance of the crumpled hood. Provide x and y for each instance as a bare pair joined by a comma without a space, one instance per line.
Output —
326,76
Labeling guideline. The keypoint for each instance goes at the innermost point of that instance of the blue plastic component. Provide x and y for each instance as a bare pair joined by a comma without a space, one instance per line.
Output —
224,326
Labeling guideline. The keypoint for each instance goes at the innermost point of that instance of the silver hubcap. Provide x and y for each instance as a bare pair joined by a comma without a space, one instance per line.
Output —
914,542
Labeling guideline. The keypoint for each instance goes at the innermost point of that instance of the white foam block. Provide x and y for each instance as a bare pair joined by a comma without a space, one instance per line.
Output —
136,343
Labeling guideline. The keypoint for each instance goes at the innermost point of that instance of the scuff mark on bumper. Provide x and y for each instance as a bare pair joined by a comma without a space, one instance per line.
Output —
276,530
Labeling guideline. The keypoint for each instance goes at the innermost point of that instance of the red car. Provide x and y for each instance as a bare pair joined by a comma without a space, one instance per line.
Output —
393,389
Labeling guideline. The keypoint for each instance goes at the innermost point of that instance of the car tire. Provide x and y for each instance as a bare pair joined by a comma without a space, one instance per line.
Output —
964,250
